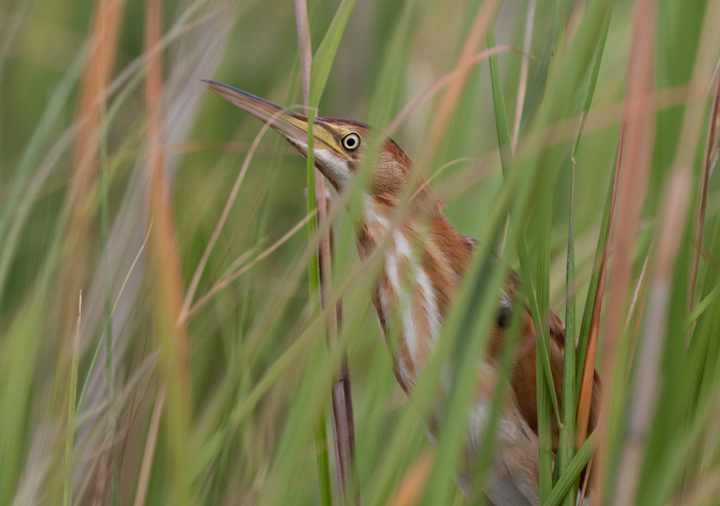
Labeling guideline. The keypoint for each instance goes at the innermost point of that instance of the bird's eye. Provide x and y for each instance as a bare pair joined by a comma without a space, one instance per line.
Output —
351,141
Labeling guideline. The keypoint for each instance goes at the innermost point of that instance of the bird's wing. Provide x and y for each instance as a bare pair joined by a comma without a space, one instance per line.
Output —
524,374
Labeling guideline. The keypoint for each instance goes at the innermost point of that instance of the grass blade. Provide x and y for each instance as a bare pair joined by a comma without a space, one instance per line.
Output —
522,87
569,395
326,52
315,190
149,451
501,121
70,429
632,185
567,444
165,272
572,472
545,389
17,205
701,206
589,329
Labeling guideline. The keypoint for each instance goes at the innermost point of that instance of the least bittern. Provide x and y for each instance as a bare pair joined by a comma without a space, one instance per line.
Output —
422,270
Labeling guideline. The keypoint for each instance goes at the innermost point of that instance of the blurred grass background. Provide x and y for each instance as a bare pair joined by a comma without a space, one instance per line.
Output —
222,408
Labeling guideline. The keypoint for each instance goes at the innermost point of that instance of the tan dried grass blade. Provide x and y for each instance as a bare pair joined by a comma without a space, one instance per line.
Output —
165,273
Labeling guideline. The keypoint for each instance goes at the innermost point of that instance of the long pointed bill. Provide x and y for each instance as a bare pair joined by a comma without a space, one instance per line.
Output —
291,125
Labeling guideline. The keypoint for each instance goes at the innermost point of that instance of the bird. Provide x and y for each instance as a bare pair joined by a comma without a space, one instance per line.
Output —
422,270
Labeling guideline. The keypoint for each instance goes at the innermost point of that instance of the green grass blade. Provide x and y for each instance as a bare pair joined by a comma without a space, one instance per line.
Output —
569,396
572,472
567,444
712,272
70,429
593,78
544,382
591,301
323,461
105,178
10,229
20,353
504,144
501,119
325,55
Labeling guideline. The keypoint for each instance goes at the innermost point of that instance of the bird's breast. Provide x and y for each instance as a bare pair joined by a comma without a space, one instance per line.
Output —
409,300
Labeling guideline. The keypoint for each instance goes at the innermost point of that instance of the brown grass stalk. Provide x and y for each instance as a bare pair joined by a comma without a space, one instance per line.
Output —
341,394
165,273
586,483
149,451
83,183
631,184
304,48
703,185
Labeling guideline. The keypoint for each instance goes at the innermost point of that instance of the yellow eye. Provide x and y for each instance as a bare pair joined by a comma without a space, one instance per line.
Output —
351,141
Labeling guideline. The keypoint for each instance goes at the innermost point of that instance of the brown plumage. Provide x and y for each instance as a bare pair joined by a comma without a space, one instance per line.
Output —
421,272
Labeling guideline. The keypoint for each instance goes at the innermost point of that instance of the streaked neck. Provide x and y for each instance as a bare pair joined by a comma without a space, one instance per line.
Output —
422,268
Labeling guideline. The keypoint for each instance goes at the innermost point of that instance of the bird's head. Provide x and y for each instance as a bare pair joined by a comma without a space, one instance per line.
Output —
339,144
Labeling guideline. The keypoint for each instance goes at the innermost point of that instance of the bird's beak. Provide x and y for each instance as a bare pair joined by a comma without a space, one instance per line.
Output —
291,125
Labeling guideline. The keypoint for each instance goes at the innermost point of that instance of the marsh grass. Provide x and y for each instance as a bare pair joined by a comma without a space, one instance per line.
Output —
201,369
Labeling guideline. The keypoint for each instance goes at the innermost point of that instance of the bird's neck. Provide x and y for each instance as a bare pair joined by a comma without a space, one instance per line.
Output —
422,266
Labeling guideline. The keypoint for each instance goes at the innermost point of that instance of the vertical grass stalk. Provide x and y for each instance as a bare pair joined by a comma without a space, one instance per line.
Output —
72,414
313,181
567,444
632,182
166,278
314,77
569,395
505,147
501,121
546,396
107,316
